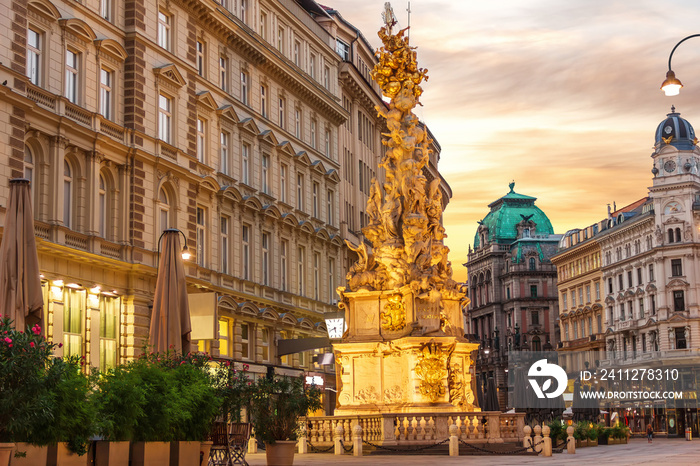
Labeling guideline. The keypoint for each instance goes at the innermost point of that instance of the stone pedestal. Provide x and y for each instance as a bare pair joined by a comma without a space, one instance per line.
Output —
403,353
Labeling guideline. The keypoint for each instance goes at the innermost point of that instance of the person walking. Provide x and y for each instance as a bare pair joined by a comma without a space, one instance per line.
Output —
650,432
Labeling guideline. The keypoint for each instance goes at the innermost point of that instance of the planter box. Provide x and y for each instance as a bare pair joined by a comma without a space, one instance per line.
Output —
150,454
60,455
280,453
592,443
6,450
33,455
603,440
112,453
205,449
184,453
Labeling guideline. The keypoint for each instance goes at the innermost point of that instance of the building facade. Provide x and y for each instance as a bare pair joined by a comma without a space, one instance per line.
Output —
650,268
512,286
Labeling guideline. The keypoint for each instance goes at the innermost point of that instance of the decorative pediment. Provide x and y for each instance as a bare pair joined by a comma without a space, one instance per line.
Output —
253,202
629,293
290,219
305,322
322,233
640,291
596,307
248,308
651,321
45,9
336,240
111,48
307,227
610,331
226,303
288,318
677,318
268,313
650,288
268,137
227,112
321,327
620,296
205,99
285,147
272,211
318,167
79,28
609,300
170,76
677,283
210,183
332,174
248,124
672,219
303,157
231,192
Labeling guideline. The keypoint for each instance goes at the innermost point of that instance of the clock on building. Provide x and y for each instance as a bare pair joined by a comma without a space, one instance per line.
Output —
670,166
672,207
335,327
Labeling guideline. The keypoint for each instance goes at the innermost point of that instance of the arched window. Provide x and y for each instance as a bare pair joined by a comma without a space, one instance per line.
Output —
678,235
532,263
670,235
536,344
102,206
163,210
29,170
67,194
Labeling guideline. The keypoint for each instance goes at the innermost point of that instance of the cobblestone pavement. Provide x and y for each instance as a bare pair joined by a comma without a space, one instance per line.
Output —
675,452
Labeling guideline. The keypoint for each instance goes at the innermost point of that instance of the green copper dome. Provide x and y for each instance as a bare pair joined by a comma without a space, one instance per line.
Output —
509,211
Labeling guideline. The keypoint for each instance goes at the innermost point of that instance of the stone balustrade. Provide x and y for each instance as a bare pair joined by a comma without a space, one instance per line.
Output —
418,428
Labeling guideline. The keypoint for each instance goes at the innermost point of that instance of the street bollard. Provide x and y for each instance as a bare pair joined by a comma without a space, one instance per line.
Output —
454,440
337,440
538,439
252,443
357,440
547,445
527,440
570,440
302,445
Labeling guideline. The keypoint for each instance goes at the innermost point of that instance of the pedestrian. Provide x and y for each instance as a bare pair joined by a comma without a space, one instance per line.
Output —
650,433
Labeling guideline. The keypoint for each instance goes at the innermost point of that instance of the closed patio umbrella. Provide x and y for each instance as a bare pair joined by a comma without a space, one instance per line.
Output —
491,397
170,317
20,285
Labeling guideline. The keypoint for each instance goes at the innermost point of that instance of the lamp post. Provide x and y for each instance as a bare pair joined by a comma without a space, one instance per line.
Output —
185,251
671,85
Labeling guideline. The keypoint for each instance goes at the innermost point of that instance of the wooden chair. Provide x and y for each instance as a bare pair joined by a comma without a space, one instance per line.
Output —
229,445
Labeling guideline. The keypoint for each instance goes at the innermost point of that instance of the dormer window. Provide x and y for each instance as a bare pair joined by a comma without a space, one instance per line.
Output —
526,232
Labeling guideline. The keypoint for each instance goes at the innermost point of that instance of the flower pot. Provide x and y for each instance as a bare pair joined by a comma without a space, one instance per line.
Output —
33,455
60,455
150,454
112,453
205,449
6,450
280,453
184,453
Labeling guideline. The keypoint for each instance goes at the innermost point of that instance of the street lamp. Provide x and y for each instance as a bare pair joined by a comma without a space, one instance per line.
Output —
671,85
185,251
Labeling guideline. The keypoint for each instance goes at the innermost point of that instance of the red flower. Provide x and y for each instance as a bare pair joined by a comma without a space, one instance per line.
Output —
60,345
7,339
31,343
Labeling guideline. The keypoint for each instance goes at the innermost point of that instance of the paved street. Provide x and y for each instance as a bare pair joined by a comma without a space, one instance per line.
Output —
676,452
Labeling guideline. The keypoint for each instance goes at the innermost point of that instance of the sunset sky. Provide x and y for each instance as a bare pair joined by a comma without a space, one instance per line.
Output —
561,96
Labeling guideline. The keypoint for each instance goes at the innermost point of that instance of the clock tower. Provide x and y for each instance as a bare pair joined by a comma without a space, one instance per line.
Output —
676,182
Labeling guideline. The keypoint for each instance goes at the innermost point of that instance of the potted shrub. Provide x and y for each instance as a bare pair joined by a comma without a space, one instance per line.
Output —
603,435
581,434
557,432
25,401
74,412
277,405
593,430
120,398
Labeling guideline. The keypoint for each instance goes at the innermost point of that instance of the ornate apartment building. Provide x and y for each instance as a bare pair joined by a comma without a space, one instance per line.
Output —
647,269
512,286
247,124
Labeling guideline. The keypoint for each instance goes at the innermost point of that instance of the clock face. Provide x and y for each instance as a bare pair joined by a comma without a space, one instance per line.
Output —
335,327
672,208
670,166
668,130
